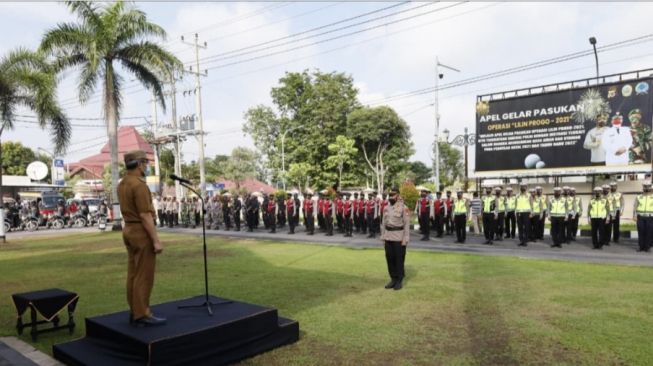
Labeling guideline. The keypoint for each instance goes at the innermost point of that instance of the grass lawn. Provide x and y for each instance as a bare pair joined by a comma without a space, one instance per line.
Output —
455,309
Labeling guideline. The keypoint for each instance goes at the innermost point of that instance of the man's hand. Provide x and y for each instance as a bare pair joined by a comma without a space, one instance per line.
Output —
158,248
620,151
403,243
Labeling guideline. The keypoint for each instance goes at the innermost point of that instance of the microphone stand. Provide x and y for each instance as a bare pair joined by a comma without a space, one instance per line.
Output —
207,303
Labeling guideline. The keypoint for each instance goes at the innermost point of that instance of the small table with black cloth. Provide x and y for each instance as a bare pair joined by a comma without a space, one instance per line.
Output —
47,303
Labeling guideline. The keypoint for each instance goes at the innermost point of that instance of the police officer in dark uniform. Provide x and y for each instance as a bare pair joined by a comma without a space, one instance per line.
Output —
237,211
140,238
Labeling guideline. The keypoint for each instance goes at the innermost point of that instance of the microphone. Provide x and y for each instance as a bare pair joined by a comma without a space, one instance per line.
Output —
180,179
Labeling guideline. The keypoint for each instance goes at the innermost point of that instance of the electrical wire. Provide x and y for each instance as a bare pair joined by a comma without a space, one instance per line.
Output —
518,69
333,38
239,51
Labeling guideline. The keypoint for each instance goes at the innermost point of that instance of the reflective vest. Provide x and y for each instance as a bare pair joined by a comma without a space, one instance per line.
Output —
502,204
460,207
488,204
543,205
616,200
558,207
523,203
570,203
537,207
598,208
577,206
645,204
511,203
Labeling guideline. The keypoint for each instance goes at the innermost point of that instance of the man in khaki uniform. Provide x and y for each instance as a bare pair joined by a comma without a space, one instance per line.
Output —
395,232
140,238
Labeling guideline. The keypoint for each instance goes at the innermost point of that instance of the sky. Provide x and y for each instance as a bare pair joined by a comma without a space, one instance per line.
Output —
388,56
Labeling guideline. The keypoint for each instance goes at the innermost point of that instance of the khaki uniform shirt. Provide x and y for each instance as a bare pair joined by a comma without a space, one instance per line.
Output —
396,216
134,197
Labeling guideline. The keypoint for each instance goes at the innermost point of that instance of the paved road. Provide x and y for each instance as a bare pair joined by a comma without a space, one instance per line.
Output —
580,251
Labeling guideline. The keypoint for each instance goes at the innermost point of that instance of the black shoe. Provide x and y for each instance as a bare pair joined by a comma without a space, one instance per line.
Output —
398,285
390,284
490,243
487,242
149,321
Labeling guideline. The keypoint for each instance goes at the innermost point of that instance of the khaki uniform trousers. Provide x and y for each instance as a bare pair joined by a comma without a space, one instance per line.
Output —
140,269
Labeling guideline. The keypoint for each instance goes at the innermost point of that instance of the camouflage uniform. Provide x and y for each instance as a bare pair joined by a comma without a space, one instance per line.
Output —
184,208
641,147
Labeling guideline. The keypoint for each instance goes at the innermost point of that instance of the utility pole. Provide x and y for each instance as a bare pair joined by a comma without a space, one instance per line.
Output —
436,147
198,105
155,127
175,126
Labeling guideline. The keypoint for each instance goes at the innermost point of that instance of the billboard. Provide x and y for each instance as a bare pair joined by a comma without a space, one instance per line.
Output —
603,128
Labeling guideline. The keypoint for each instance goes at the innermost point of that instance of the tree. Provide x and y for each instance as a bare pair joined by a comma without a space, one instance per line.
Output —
451,164
107,176
299,174
240,166
421,172
342,155
314,107
16,157
27,81
410,194
384,139
106,37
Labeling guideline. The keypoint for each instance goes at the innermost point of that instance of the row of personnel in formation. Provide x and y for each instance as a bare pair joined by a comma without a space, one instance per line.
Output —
497,214
502,214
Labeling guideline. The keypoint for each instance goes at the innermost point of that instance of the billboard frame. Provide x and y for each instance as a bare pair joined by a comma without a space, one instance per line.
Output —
555,88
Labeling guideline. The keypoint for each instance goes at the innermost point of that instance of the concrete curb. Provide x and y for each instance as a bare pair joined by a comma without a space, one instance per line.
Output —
30,352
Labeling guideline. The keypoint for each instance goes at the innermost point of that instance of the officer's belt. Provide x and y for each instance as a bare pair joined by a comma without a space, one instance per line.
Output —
645,214
394,228
526,211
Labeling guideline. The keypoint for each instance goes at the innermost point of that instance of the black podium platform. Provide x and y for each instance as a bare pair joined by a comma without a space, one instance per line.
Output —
236,331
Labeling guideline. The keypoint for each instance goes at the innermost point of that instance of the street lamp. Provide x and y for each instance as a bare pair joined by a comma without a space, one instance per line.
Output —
596,57
283,154
465,140
436,148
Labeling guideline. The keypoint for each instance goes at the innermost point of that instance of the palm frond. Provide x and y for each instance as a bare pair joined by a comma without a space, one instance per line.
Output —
87,11
66,39
147,78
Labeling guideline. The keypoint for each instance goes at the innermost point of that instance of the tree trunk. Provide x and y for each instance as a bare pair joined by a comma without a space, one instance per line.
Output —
111,117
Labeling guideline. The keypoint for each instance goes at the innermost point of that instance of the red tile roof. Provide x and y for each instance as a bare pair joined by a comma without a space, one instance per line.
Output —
128,139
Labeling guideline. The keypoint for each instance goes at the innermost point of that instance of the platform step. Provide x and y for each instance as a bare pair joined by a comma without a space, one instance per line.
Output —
236,331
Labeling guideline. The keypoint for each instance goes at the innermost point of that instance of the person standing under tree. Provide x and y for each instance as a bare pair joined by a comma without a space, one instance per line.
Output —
395,232
271,210
308,209
424,212
140,238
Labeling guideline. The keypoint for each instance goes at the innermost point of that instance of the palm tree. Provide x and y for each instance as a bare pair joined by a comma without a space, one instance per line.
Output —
107,36
27,81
